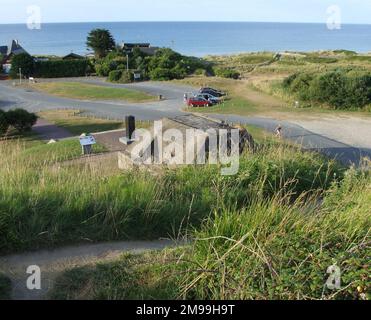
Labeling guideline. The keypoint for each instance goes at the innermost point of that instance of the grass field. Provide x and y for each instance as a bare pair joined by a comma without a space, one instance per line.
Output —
260,90
85,91
76,122
56,207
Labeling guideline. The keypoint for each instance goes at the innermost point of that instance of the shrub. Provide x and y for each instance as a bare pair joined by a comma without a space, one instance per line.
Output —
21,119
115,75
227,73
24,62
341,89
4,124
126,77
62,68
200,72
161,74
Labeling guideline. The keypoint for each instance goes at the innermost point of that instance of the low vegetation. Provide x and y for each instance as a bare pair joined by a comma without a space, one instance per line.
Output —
269,249
340,89
5,287
319,80
56,205
77,90
76,122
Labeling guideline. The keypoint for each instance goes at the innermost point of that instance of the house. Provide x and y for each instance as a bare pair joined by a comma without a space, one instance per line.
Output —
146,48
8,52
73,56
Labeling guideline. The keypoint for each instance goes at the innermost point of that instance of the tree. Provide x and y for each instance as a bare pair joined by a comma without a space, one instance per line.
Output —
24,62
21,119
101,41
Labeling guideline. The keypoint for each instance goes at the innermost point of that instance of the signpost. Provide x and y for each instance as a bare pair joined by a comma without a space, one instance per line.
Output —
87,141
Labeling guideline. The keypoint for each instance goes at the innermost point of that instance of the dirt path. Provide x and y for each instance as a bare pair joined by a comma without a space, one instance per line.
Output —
261,99
53,262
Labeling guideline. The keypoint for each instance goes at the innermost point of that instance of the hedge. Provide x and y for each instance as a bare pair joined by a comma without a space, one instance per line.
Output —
62,68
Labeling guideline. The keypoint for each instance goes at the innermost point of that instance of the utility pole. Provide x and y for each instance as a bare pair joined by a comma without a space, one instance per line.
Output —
20,75
127,62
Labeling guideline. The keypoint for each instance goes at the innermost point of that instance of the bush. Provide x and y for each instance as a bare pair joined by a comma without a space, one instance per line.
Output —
21,119
227,73
201,72
4,124
162,74
340,89
62,68
126,77
24,62
115,75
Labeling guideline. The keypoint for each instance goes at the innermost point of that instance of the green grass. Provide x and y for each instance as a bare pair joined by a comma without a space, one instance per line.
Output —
131,277
57,206
84,91
5,288
233,106
270,249
75,122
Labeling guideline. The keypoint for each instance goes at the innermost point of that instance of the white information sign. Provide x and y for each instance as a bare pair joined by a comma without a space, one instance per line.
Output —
87,141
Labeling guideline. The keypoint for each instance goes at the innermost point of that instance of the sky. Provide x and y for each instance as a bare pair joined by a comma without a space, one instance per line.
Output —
352,11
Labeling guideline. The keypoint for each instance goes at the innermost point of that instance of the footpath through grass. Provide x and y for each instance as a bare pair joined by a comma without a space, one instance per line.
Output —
84,91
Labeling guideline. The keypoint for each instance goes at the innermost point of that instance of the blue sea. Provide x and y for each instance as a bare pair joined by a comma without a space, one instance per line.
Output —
193,38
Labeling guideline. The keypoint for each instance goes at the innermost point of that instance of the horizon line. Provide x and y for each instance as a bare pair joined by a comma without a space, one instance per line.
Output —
182,21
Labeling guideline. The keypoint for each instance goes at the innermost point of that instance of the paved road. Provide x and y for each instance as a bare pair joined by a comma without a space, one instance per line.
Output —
31,100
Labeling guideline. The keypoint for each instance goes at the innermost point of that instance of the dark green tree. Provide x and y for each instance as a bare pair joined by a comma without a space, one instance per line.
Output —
21,119
24,62
101,42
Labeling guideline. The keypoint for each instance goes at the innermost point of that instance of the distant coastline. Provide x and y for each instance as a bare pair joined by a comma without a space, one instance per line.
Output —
195,38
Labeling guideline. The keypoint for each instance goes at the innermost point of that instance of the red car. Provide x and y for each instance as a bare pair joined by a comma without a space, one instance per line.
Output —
198,102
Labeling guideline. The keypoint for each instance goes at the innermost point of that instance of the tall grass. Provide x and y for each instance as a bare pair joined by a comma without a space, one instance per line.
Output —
44,203
274,249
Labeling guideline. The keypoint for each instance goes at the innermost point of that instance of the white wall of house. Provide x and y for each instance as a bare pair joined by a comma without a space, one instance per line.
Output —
7,67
